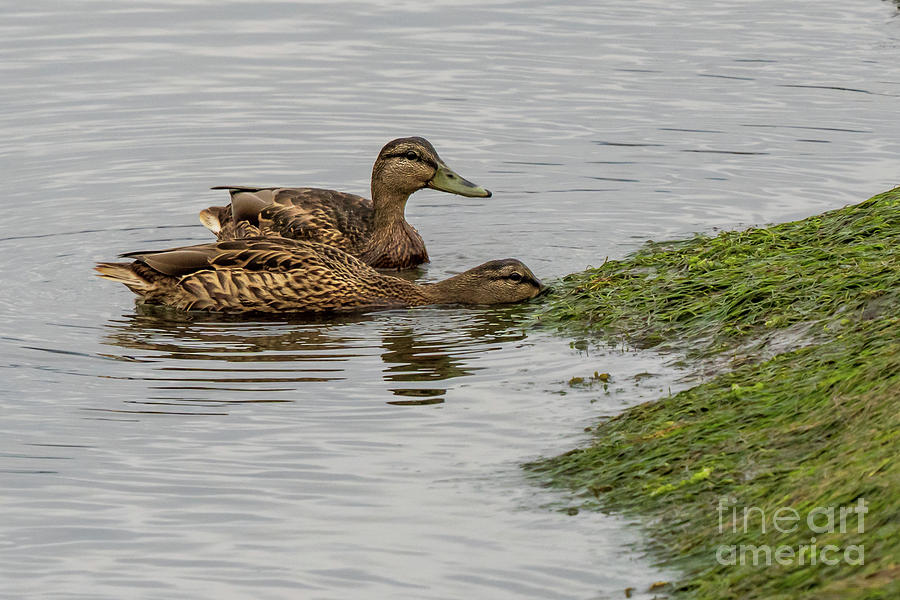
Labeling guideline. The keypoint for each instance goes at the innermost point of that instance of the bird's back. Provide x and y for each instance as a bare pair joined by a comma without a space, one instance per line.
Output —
259,275
336,218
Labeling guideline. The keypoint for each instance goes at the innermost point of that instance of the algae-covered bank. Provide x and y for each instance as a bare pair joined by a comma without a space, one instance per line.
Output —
776,476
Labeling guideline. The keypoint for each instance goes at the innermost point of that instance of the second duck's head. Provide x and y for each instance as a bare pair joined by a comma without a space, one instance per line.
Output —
406,165
494,282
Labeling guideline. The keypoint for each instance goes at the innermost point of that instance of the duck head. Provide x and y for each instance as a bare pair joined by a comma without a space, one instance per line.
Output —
494,282
406,165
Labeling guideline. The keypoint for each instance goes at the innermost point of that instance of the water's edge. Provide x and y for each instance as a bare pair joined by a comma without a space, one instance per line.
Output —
812,393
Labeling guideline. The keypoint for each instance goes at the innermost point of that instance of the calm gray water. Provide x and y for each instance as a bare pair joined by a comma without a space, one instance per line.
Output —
149,456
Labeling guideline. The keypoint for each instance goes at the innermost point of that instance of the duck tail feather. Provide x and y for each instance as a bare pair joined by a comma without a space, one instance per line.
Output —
210,219
123,273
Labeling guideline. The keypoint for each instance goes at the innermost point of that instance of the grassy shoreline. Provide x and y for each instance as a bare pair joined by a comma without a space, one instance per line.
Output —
800,322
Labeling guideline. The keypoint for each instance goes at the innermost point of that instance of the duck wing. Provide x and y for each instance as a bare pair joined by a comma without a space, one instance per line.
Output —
266,274
327,216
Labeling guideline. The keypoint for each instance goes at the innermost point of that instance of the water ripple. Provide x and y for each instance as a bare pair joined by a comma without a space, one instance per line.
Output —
153,455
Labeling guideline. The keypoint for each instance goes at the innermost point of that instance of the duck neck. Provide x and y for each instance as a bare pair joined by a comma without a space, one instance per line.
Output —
399,292
393,243
448,291
388,206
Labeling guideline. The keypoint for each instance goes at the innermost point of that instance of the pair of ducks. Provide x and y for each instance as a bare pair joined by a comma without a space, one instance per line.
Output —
314,250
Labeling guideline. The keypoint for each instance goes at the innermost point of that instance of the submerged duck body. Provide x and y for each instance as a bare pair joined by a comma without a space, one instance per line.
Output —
279,275
375,231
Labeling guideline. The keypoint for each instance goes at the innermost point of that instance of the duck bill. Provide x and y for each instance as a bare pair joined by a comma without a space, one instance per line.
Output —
447,180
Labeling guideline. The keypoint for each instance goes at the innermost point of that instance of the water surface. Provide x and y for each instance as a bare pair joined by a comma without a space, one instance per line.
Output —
147,455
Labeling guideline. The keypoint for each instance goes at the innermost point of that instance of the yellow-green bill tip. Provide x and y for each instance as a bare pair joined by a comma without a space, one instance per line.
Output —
447,180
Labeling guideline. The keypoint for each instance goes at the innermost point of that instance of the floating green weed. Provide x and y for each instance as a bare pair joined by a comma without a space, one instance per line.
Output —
721,289
813,423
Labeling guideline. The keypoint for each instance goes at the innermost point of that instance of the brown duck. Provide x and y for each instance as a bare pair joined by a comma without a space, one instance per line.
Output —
373,230
277,275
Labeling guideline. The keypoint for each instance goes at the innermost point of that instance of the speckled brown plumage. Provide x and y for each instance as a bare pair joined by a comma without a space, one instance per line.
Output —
334,218
274,274
375,231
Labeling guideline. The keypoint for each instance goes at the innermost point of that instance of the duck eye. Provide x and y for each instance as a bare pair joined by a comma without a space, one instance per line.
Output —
517,277
412,155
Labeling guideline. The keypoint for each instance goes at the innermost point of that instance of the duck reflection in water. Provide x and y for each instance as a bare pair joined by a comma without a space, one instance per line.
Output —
197,359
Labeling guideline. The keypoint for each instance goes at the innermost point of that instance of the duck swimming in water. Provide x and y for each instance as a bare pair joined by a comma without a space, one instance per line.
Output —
279,275
375,231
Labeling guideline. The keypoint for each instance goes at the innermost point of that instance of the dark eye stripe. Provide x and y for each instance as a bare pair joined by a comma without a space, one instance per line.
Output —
423,159
524,280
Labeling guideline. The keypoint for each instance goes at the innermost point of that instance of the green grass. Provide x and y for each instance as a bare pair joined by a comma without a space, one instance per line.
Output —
797,421
738,283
